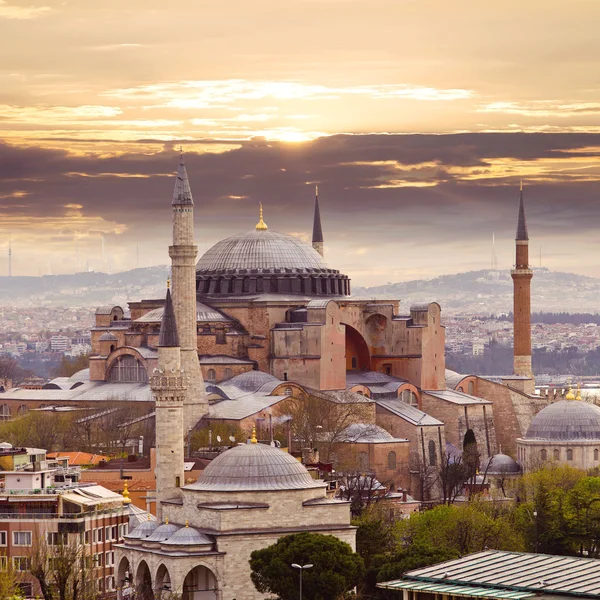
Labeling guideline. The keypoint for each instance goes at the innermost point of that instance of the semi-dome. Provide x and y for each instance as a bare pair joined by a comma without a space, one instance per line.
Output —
267,262
501,464
252,468
566,420
188,536
108,337
143,531
163,532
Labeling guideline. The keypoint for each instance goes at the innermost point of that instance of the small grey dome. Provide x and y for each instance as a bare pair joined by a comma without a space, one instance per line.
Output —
566,420
108,337
163,532
254,467
143,531
260,250
501,464
188,536
251,381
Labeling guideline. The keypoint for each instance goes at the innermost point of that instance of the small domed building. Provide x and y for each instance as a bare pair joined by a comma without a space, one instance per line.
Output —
246,499
567,431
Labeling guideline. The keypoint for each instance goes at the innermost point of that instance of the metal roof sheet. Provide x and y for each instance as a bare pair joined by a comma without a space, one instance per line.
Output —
454,590
407,412
242,407
517,571
456,397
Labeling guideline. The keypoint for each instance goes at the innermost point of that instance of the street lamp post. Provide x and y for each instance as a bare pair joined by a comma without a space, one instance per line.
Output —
301,567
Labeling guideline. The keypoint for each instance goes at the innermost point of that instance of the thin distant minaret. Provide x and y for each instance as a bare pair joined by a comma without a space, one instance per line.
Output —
317,236
521,276
494,257
9,259
168,384
183,254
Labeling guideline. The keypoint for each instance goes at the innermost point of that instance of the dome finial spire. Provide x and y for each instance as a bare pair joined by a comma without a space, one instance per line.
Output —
253,439
261,225
570,395
578,397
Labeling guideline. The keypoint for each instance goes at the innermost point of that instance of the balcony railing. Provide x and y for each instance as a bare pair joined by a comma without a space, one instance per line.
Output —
64,516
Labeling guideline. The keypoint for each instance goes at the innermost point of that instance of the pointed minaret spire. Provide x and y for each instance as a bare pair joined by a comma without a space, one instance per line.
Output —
521,276
522,223
182,194
317,237
168,337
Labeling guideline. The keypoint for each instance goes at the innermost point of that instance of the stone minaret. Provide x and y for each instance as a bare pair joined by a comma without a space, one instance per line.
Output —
521,276
183,254
169,390
317,237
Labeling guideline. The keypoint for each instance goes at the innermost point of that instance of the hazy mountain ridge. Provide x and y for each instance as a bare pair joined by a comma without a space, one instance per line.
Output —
470,292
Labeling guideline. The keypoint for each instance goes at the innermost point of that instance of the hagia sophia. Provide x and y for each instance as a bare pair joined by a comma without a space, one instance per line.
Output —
261,324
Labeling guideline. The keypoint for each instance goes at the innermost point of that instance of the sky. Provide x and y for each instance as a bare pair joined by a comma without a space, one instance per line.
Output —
416,119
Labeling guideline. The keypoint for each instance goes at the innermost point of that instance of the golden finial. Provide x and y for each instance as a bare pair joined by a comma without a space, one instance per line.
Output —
253,439
521,185
125,494
316,190
167,521
168,282
578,392
570,395
261,225
187,523
149,519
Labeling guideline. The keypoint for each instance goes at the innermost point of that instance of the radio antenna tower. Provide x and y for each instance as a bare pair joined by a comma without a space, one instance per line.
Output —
494,257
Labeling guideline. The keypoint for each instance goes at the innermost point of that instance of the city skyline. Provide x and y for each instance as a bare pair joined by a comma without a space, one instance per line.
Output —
416,120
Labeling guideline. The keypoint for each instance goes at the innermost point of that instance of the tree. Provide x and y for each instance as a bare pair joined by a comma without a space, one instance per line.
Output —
10,369
320,419
9,585
70,366
62,568
362,489
336,568
453,474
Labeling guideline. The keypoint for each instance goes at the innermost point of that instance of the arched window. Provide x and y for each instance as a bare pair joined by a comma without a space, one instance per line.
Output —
460,388
354,362
22,410
471,388
556,454
228,374
432,454
288,391
4,412
211,375
413,399
391,460
569,454
469,438
595,453
127,369
362,461
112,347
544,455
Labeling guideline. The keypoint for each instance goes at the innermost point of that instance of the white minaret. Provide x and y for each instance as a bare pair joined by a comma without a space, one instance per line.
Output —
168,386
183,254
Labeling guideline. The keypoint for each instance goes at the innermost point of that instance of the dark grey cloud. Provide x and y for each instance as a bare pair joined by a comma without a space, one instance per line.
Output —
459,209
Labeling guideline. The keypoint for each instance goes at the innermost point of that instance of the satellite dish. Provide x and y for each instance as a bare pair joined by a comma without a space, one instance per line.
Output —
231,438
219,439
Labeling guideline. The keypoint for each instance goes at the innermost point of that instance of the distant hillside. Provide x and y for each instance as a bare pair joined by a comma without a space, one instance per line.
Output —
474,292
84,289
485,292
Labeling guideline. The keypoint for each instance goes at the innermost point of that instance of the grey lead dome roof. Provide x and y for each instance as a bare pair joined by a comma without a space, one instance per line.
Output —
501,464
254,467
566,420
260,249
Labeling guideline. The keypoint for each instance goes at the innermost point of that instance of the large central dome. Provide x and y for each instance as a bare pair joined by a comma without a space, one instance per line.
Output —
261,250
566,420
254,467
266,262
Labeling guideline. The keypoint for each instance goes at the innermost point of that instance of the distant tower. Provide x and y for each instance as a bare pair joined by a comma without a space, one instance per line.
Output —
183,254
168,386
317,237
9,259
494,257
521,276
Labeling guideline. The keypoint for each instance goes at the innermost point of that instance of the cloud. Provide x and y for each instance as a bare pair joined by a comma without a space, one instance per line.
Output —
10,11
389,203
543,108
